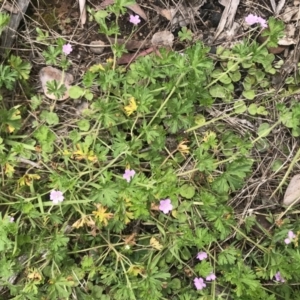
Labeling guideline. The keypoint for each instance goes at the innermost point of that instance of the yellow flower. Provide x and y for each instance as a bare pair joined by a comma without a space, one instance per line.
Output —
131,107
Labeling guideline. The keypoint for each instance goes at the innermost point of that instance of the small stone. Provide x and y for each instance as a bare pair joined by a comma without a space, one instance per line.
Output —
97,46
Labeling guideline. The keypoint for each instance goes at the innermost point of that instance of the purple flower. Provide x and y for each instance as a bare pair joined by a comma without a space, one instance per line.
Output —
11,219
128,175
253,19
67,49
202,255
199,283
291,236
211,277
278,277
134,19
56,196
165,206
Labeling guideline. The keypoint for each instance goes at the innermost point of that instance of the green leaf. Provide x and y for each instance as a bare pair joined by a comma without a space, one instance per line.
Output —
221,76
261,110
252,109
76,92
236,76
264,129
21,67
250,94
240,107
100,16
50,118
187,191
35,102
84,125
217,91
88,96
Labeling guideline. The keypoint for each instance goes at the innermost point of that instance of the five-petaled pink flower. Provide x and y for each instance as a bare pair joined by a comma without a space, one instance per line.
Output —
199,283
128,175
211,277
202,255
165,206
278,277
134,19
56,196
67,49
291,236
253,19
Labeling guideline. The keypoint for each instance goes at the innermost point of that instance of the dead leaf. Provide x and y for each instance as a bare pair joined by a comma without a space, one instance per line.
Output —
290,14
292,192
285,41
154,243
137,9
162,38
130,239
82,8
49,74
279,7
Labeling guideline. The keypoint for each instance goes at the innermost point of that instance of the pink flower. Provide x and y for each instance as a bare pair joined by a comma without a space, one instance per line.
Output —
165,206
11,219
211,277
67,49
128,175
199,283
253,19
202,255
134,19
278,277
56,196
291,236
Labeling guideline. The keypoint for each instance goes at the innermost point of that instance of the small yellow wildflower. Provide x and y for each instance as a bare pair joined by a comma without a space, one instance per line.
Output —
131,107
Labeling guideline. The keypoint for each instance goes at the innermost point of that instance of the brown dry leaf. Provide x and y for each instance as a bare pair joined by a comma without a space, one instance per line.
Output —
130,239
285,41
154,243
290,14
162,38
279,7
292,192
137,9
49,74
128,58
